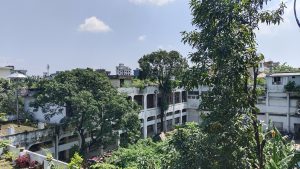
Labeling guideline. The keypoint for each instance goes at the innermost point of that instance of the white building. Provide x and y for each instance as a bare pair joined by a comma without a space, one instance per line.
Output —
281,107
123,70
6,71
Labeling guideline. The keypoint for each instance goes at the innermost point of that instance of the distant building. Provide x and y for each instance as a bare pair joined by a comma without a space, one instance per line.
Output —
8,70
136,72
269,65
5,72
123,70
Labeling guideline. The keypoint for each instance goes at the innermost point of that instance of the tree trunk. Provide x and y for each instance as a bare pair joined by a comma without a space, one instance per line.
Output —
255,123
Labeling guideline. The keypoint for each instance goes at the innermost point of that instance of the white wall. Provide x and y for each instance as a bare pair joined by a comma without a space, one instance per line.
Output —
39,115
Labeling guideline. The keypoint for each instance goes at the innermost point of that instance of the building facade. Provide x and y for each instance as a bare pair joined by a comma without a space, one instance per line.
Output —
123,70
281,107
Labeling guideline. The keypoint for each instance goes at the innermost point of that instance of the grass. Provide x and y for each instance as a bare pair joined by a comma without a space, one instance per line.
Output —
18,129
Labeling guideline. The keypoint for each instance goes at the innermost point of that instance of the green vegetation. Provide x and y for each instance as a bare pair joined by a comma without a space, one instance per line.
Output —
76,162
291,87
161,67
226,48
141,84
190,147
284,68
8,99
4,143
92,106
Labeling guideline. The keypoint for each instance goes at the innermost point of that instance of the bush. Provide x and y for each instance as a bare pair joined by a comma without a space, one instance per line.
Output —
9,156
104,166
3,143
23,161
290,86
76,162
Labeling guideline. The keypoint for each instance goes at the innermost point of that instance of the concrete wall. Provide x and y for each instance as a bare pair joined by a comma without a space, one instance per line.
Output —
37,157
4,72
39,115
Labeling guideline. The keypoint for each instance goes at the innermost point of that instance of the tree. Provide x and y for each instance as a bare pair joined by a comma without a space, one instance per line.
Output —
92,106
8,98
226,48
162,66
284,68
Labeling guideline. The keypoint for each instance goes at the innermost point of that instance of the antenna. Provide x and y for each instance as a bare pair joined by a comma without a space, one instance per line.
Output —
48,68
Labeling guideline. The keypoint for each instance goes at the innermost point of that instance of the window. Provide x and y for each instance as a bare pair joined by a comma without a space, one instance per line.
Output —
277,81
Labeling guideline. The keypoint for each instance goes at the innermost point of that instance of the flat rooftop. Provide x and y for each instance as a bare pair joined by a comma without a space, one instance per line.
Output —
18,129
284,74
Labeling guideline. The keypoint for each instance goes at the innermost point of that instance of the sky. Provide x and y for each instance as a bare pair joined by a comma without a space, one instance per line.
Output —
69,34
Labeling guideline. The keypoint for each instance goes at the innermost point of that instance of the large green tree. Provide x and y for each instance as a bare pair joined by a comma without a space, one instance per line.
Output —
165,68
92,106
225,45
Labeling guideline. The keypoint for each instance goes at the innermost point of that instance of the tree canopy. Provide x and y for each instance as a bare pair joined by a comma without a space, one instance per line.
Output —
166,68
226,49
92,106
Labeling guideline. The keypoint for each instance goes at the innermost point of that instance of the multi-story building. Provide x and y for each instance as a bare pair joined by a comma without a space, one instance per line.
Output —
123,70
280,106
6,71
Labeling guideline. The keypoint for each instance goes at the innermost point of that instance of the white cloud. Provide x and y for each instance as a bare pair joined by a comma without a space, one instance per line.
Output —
154,2
94,24
142,38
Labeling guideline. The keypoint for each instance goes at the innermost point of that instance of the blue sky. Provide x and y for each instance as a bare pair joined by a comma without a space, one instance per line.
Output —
102,33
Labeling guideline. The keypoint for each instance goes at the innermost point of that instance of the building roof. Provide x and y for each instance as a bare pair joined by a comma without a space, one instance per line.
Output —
8,68
284,74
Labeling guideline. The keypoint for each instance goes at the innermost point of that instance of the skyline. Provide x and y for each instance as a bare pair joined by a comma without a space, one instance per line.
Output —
102,34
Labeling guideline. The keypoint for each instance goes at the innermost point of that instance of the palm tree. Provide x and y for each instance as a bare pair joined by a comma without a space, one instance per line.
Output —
297,20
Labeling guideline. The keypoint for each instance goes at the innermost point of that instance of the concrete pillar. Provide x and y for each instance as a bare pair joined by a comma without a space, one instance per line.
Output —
180,121
118,139
267,99
267,119
132,98
145,127
288,113
56,147
173,114
145,101
155,125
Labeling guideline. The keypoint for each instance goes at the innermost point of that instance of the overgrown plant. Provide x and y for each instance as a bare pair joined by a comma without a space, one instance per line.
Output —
76,162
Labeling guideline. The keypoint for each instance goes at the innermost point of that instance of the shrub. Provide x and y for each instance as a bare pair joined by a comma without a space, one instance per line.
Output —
104,166
9,156
3,143
76,162
290,86
23,161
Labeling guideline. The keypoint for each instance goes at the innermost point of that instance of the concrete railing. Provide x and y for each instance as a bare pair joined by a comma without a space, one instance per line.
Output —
41,159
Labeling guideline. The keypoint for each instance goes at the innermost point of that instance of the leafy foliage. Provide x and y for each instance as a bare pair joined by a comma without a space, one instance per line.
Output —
92,105
225,45
76,162
8,98
284,68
